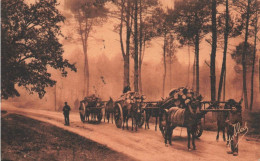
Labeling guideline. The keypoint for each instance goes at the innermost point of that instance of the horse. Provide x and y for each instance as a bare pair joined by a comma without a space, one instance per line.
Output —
188,117
151,112
131,111
109,110
221,118
132,108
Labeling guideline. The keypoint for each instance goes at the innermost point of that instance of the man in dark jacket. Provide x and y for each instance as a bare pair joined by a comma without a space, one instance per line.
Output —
233,129
66,112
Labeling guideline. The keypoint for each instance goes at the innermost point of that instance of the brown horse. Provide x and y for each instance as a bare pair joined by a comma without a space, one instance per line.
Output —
151,110
109,110
188,117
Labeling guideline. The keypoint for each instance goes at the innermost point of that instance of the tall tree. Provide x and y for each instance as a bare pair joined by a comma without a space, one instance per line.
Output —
192,25
87,14
244,55
146,32
30,45
136,84
254,54
213,50
125,8
223,68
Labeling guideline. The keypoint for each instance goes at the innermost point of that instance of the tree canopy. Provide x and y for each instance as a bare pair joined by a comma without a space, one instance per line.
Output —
30,45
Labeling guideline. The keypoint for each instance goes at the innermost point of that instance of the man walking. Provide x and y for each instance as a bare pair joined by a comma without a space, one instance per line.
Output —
66,112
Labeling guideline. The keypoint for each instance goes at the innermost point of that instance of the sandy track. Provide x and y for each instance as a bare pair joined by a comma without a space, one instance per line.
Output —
145,144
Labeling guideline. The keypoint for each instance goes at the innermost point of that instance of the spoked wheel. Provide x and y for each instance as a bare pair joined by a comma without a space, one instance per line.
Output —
199,130
82,117
162,123
118,114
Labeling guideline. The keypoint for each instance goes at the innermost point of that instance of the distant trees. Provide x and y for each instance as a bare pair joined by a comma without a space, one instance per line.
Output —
255,23
191,25
246,10
30,45
87,13
134,23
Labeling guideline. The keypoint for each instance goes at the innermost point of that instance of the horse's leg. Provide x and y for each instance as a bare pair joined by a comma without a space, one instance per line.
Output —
136,122
123,122
156,121
224,136
132,123
193,140
148,122
166,135
108,116
105,116
218,132
170,135
112,118
188,133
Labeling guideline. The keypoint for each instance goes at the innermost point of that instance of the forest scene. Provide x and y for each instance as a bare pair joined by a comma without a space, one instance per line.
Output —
56,51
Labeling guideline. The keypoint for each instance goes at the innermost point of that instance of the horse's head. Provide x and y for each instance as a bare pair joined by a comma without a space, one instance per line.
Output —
232,104
194,109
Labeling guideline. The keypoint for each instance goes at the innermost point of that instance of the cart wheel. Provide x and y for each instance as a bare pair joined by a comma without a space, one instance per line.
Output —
162,123
82,117
199,131
118,115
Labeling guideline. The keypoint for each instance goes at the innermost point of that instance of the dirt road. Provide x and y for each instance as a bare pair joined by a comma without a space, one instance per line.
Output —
146,144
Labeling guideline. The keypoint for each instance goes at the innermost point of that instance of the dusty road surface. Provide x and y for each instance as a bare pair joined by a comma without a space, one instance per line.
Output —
146,144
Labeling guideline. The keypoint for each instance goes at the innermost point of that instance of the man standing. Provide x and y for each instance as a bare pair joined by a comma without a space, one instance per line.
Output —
233,129
66,112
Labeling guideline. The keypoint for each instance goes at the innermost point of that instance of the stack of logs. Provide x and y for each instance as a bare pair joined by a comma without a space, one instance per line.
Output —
92,101
180,98
131,96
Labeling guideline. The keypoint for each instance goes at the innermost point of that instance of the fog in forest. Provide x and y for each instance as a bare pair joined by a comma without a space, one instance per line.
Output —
106,70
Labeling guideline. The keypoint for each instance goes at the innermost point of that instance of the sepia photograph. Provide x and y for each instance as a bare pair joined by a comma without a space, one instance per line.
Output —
130,80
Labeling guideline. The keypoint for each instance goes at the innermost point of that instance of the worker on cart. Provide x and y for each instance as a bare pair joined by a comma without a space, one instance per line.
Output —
66,112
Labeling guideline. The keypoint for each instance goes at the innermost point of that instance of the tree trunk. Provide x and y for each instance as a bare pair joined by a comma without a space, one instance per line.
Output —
140,47
197,63
253,63
194,71
87,68
128,36
213,52
188,77
244,57
125,54
164,64
223,69
136,47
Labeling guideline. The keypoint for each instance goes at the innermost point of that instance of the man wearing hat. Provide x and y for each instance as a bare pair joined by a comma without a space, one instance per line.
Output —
66,112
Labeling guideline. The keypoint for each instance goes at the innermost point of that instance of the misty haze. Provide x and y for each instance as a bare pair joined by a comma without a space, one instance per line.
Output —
131,76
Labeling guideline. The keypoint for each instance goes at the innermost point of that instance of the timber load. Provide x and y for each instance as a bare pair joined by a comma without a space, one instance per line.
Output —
92,101
179,97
